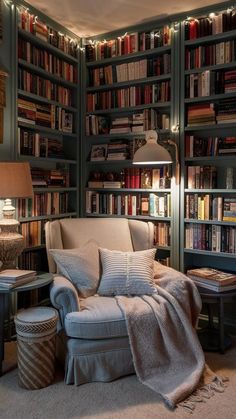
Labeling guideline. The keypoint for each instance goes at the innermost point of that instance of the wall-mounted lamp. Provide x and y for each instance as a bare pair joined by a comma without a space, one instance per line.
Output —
153,153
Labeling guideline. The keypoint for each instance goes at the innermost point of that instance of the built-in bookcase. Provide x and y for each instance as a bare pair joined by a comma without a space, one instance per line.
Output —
47,126
208,139
160,74
130,88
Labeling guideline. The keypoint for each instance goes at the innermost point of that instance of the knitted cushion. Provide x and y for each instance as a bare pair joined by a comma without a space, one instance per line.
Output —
127,273
80,266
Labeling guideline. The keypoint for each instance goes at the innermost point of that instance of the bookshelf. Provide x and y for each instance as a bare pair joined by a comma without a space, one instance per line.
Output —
129,88
208,142
47,126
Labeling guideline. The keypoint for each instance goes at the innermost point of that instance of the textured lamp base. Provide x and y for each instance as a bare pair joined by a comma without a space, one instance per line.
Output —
11,244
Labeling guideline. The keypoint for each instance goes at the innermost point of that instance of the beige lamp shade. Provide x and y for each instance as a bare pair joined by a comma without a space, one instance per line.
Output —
15,180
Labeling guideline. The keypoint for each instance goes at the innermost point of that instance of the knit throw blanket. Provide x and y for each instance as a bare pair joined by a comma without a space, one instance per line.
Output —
166,351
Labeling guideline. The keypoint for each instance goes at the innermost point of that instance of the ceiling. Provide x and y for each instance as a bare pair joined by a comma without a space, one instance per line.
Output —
92,17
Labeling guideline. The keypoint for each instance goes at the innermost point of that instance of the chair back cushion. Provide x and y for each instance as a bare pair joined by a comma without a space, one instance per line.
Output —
71,233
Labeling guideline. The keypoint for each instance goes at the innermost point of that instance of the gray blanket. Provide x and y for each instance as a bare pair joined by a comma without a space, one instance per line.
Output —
166,351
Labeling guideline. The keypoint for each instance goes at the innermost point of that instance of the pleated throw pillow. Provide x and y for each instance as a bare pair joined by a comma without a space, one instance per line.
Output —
127,273
80,266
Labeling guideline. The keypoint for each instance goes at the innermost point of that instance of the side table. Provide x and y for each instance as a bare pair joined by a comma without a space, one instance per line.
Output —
212,338
41,281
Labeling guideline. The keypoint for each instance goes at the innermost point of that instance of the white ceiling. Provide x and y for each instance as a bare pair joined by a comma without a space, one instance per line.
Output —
93,17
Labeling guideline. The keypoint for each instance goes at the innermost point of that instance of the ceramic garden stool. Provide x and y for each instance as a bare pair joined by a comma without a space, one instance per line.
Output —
36,338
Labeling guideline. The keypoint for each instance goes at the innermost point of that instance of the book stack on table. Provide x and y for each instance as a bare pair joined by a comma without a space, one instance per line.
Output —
11,278
213,279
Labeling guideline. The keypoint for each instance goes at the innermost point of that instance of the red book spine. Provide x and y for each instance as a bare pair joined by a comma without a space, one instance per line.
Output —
132,183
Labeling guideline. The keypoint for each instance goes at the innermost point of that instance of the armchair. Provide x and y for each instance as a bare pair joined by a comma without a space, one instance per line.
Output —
92,334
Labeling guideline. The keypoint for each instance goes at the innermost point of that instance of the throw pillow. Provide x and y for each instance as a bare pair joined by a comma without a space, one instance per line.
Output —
127,273
80,266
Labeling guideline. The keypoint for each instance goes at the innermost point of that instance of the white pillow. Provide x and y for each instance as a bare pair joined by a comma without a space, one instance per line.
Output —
80,266
127,273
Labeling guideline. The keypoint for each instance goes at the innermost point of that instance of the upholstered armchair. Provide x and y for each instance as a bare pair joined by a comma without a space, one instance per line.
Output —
92,334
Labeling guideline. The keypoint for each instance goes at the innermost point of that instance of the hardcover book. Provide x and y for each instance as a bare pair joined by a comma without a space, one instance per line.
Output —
211,275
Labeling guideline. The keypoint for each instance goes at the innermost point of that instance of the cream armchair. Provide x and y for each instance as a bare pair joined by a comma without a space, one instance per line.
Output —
92,334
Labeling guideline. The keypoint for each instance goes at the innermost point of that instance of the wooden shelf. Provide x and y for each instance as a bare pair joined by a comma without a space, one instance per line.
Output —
211,39
113,86
45,74
129,57
46,45
47,217
36,98
130,109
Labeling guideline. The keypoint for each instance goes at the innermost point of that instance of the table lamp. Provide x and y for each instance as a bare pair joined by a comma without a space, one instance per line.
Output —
15,182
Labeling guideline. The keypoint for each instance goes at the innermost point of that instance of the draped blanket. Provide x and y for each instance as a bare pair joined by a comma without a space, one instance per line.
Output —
166,351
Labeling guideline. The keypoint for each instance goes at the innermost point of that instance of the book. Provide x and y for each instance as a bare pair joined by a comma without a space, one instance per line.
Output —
213,287
18,283
212,276
15,275
111,184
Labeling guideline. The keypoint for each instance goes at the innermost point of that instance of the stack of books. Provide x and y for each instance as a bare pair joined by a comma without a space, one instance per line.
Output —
213,279
201,114
11,278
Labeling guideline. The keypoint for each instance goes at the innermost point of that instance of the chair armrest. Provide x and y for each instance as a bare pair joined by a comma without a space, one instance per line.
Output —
64,297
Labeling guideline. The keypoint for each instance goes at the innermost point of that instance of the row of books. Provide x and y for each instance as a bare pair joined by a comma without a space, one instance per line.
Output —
33,232
46,60
37,85
137,122
210,54
32,24
210,113
128,44
214,238
226,111
49,203
132,178
162,234
112,151
32,143
116,149
164,260
12,278
205,26
213,279
210,83
50,177
229,209
210,207
201,177
46,115
131,96
133,70
128,204
209,146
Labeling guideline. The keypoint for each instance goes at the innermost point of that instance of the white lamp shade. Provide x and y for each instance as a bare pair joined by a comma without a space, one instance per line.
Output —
152,152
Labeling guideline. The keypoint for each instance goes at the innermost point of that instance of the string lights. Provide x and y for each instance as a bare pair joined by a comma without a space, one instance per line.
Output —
95,42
